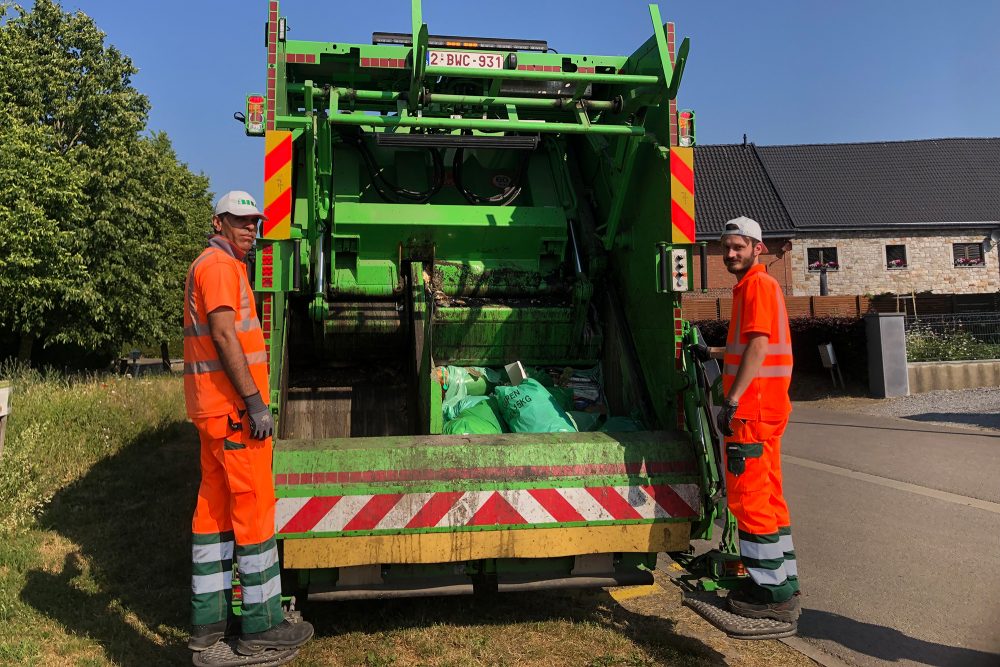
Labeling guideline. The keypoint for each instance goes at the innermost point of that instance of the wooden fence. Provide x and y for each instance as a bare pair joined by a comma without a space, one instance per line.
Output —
696,308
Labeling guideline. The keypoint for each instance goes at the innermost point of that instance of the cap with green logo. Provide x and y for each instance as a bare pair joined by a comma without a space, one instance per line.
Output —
238,202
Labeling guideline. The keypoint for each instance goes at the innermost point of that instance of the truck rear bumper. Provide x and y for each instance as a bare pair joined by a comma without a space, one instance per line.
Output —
450,547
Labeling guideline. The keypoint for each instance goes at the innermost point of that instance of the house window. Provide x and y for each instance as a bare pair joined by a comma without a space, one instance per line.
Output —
818,258
967,254
895,257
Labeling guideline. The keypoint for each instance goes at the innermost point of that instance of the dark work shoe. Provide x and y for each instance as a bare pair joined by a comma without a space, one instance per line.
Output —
745,604
284,636
204,637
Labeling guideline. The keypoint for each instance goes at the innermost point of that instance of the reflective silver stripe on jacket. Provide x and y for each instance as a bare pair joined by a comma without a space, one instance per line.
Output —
189,300
247,322
245,325
764,371
782,348
211,365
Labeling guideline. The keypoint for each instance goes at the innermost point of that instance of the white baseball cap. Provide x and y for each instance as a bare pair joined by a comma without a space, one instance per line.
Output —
238,202
743,226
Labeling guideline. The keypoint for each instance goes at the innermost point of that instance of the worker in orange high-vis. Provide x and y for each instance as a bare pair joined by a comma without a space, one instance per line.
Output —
756,375
226,391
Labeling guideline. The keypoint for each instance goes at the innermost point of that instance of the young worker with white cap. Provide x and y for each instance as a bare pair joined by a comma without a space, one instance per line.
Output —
756,376
226,392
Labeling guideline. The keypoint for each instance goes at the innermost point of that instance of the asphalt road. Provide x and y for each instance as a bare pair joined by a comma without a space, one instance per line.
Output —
897,531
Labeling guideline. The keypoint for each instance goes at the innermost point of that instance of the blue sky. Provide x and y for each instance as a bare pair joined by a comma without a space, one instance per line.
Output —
781,71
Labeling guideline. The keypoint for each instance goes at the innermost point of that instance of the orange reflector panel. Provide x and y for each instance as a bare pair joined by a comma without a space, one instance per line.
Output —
277,185
682,194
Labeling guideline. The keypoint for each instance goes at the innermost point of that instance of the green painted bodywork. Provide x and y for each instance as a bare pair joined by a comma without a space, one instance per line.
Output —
387,253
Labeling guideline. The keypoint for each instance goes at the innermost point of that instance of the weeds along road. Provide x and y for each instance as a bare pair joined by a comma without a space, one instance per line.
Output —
895,524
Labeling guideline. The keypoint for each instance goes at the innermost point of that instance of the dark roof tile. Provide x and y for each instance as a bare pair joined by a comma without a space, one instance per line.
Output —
730,181
886,184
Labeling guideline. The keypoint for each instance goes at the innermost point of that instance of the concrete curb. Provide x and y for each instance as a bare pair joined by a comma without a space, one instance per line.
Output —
800,645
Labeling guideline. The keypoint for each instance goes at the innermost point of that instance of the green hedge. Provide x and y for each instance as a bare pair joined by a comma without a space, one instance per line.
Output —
846,333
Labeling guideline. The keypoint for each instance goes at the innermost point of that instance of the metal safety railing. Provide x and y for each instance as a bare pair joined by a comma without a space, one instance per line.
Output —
983,327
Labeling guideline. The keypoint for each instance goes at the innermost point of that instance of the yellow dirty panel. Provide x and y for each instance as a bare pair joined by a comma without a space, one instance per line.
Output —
319,552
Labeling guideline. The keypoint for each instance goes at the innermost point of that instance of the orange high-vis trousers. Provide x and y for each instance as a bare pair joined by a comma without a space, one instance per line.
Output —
756,499
234,516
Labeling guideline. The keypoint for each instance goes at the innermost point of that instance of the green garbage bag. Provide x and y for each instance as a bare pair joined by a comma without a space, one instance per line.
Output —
453,410
542,376
530,408
460,382
480,419
621,425
563,396
585,421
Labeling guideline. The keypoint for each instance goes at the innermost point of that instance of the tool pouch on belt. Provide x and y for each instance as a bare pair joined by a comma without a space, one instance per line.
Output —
737,454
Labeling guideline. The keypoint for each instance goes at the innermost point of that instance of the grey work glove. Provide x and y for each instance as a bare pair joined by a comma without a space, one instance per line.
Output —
261,421
700,351
725,418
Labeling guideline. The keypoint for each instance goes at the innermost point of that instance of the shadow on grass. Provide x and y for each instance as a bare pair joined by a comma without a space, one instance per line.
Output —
131,517
127,587
656,635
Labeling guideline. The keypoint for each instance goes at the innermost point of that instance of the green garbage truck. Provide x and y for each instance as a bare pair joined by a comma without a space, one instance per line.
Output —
457,216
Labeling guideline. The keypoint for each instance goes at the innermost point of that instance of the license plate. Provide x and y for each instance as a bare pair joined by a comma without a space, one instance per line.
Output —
467,59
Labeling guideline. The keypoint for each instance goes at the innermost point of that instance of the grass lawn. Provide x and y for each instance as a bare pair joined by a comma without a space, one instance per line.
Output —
98,482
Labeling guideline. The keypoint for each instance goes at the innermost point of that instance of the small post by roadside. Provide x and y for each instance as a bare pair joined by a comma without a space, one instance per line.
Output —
829,359
5,390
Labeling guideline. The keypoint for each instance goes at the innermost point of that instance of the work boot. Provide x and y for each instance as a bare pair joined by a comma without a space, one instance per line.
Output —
282,637
745,603
204,637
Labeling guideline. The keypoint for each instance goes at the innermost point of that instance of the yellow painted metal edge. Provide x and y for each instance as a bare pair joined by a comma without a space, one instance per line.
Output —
622,594
322,552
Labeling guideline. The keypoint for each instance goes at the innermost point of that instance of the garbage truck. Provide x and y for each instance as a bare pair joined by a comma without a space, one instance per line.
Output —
452,217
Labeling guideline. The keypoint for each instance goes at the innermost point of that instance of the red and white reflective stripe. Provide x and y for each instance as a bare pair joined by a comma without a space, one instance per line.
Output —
454,509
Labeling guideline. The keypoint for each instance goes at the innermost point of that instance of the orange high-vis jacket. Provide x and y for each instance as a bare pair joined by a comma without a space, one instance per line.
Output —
759,307
218,280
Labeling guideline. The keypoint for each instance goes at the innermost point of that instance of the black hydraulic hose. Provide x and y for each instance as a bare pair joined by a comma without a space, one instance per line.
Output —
509,194
379,181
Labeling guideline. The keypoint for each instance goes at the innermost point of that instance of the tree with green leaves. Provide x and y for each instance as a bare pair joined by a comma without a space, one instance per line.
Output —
98,219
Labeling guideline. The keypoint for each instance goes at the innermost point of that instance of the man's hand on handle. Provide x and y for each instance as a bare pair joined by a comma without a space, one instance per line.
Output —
700,351
725,418
261,421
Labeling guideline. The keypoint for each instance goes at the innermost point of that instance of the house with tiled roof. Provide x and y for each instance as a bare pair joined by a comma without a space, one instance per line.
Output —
882,217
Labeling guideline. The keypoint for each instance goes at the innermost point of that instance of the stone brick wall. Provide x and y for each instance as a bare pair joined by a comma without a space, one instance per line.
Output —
930,265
